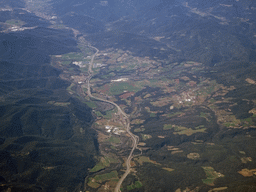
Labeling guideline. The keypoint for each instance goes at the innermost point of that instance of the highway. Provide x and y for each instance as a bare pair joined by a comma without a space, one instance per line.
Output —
135,138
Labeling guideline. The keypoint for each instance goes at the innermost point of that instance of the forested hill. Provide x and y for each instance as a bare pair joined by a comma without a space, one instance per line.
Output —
47,143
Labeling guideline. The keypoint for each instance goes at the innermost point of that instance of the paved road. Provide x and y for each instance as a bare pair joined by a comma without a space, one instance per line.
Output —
135,138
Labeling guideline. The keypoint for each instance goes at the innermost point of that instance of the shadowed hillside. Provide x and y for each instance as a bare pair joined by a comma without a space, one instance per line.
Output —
47,143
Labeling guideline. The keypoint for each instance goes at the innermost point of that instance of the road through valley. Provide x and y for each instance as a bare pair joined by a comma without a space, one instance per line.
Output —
125,117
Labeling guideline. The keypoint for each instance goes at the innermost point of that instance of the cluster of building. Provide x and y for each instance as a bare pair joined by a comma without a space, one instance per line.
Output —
96,65
186,97
115,130
78,63
121,79
6,9
17,28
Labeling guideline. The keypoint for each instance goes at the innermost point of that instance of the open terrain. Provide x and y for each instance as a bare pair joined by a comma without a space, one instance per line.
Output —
157,97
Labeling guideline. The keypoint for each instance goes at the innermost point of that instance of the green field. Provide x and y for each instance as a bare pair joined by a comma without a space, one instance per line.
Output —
144,159
229,124
73,56
248,121
68,58
211,175
104,162
139,130
136,185
99,114
174,114
15,22
106,176
108,113
62,104
180,130
119,87
152,115
91,104
93,184
174,127
98,167
189,131
69,88
65,62
113,139
145,137
168,126
199,127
